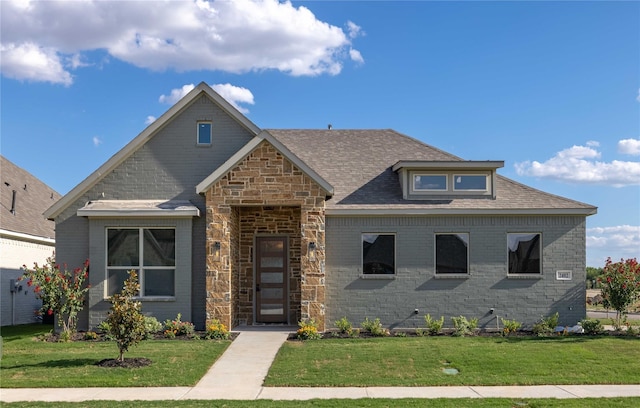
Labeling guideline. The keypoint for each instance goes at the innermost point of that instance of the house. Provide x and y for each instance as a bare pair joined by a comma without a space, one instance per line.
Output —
224,220
26,236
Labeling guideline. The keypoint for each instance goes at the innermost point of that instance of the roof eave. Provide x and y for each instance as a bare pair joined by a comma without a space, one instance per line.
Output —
460,212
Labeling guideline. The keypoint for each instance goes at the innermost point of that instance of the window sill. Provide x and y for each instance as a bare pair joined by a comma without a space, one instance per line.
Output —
533,276
452,276
378,277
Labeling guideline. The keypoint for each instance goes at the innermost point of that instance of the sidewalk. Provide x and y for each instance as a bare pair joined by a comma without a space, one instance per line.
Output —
239,372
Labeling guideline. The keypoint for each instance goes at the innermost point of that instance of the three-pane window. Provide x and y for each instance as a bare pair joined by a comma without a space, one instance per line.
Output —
151,252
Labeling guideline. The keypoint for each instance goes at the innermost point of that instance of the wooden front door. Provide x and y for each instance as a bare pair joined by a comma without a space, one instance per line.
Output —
271,261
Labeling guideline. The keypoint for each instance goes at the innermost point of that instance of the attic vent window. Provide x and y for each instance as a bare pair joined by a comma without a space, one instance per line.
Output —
204,133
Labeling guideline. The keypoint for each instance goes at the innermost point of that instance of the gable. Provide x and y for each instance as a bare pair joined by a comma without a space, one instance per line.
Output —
165,158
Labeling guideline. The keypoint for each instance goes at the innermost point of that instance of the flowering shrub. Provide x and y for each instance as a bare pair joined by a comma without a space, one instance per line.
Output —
61,291
308,330
344,326
592,326
125,319
91,335
546,325
620,284
433,326
216,330
374,327
464,327
178,328
151,327
510,326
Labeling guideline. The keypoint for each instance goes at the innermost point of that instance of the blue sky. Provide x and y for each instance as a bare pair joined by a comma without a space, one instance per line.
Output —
551,88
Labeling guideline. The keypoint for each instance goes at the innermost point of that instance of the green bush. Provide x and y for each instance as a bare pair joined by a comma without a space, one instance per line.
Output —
216,331
125,319
344,326
546,325
510,326
592,326
434,326
308,330
177,327
464,327
374,327
151,327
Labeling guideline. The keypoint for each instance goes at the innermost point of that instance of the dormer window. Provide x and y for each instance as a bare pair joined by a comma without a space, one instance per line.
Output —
424,180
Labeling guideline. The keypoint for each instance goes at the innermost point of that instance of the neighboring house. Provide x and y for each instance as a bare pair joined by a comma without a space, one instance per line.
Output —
224,220
26,236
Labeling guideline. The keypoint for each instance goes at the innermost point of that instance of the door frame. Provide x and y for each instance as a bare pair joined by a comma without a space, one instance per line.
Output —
286,276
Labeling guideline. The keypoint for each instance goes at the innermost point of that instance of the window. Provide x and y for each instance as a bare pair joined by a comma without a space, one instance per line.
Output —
470,182
452,253
378,254
204,133
435,182
149,251
524,253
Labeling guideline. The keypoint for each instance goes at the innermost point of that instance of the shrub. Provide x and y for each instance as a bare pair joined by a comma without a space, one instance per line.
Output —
464,327
61,291
125,319
592,326
434,326
91,335
420,332
308,330
344,326
620,286
216,330
178,327
510,326
105,329
546,325
374,327
151,327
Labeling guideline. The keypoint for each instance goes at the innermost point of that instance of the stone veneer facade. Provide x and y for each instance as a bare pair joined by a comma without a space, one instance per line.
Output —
265,194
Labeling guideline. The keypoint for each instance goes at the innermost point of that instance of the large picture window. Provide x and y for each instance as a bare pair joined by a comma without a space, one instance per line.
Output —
525,253
378,254
149,251
452,253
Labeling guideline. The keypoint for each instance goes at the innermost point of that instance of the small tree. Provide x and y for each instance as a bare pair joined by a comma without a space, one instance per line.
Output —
125,319
620,286
61,291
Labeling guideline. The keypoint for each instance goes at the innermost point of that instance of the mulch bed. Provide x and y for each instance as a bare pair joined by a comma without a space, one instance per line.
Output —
127,363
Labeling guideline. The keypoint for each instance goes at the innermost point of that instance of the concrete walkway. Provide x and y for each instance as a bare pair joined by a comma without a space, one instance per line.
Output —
239,372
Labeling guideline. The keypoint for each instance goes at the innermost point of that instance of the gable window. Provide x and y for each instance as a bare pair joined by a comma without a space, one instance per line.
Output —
204,133
151,252
469,182
378,254
524,253
430,182
452,253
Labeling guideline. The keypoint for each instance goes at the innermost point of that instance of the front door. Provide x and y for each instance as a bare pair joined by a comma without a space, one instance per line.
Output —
271,260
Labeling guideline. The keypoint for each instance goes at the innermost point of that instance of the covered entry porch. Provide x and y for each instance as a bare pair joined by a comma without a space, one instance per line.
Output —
265,242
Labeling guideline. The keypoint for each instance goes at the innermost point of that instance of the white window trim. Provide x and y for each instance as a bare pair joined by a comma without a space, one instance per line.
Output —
452,275
141,268
430,190
198,123
521,275
395,258
487,181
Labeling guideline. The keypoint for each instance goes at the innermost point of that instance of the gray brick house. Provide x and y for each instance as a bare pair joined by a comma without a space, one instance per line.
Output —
224,220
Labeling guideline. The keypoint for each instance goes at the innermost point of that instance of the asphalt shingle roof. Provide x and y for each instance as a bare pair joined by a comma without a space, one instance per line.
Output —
33,197
357,163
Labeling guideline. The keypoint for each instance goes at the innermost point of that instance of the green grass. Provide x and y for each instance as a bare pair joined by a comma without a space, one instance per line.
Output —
28,363
369,403
480,361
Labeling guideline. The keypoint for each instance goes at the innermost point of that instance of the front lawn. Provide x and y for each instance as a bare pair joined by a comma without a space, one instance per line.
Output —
479,360
29,363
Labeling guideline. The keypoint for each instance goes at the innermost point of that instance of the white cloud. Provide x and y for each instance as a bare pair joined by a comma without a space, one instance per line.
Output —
176,94
578,164
638,97
232,36
356,56
149,120
235,95
31,62
97,141
629,146
617,242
